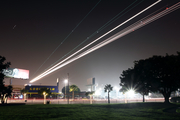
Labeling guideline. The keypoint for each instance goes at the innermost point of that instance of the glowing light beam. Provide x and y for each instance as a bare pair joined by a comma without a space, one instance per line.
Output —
127,30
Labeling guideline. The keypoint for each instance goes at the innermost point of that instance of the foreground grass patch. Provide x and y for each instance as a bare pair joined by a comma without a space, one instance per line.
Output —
130,111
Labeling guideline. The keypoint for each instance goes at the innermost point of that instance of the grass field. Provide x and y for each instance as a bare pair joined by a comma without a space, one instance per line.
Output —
130,111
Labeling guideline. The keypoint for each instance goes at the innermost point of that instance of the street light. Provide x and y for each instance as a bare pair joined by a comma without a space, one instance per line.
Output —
65,81
130,93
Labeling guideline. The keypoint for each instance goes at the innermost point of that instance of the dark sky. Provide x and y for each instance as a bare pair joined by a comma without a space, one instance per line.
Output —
31,30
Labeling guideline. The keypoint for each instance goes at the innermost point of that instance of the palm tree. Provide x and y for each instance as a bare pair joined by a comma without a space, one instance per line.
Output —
108,88
72,89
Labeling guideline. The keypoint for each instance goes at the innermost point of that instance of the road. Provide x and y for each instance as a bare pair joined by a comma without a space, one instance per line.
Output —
80,101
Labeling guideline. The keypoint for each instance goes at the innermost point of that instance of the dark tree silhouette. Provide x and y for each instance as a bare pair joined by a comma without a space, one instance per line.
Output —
68,90
89,93
155,74
4,91
23,91
108,88
135,79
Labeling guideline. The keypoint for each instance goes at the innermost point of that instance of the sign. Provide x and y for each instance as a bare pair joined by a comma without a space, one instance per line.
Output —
16,73
91,81
35,88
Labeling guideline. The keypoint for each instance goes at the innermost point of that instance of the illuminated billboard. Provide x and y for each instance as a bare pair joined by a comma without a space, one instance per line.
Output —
16,73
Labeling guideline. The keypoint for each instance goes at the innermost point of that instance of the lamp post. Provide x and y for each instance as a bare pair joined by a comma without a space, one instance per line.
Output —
65,81
68,86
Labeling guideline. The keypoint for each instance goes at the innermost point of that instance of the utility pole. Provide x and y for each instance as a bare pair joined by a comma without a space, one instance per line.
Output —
68,87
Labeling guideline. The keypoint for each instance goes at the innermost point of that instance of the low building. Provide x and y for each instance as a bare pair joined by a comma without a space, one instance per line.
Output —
33,91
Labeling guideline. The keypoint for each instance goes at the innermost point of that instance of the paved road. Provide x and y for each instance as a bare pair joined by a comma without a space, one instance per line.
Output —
76,101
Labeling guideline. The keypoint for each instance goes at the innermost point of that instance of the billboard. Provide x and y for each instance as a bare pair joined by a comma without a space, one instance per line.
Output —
35,88
91,81
16,73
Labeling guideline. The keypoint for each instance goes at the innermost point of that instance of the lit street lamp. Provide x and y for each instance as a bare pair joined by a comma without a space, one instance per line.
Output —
130,93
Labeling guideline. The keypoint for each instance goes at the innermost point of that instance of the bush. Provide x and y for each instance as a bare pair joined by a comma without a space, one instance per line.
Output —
175,99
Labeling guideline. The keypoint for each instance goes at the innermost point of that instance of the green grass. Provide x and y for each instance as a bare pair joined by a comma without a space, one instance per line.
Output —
130,111
178,110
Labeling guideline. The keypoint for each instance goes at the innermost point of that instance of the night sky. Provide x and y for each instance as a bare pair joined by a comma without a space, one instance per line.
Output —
31,30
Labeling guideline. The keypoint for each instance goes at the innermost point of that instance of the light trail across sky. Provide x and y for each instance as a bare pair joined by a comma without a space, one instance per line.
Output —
44,73
38,77
120,34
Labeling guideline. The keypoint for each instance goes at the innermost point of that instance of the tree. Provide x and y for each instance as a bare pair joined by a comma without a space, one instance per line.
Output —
156,74
134,79
72,89
108,88
89,93
44,90
4,91
24,91
67,90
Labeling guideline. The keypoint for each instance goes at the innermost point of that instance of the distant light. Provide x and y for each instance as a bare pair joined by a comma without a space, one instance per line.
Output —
130,93
116,88
65,81
25,84
97,92
21,96
29,84
89,89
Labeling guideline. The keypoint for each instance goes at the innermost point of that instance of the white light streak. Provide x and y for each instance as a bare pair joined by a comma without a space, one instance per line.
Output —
96,40
120,34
